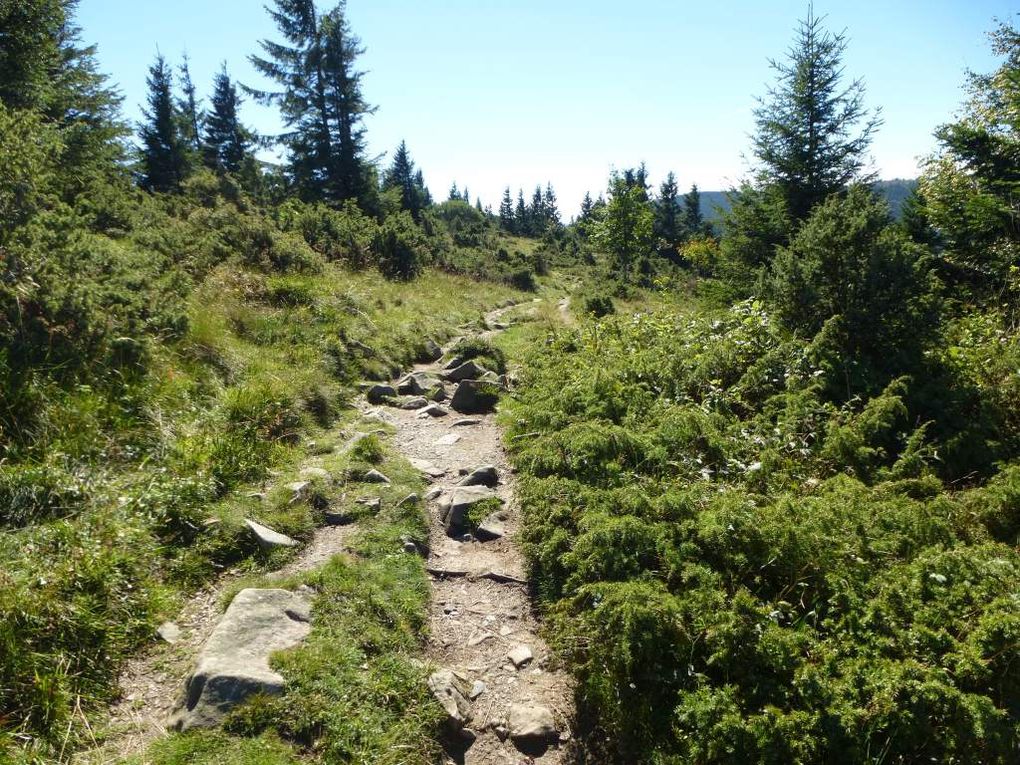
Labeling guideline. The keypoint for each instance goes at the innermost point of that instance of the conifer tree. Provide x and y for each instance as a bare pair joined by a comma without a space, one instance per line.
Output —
521,215
403,176
587,207
226,142
551,208
536,213
454,193
669,215
478,204
506,212
812,131
466,196
164,152
426,195
187,106
694,220
320,99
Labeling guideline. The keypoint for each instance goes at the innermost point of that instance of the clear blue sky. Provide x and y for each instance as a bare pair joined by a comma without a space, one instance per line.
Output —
494,93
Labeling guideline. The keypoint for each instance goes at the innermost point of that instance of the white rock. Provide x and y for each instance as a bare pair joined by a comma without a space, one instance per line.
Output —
267,538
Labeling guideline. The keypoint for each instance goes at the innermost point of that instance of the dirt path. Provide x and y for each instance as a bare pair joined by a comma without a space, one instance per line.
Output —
475,622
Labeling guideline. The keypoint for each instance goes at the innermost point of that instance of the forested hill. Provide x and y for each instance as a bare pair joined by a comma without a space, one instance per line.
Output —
895,192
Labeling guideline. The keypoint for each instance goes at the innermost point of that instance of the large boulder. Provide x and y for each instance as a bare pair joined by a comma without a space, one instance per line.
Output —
234,663
475,397
380,394
454,509
430,351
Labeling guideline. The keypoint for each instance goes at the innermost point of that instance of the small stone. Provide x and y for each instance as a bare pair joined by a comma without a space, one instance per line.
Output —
532,724
506,630
411,547
267,538
477,689
475,397
169,632
299,490
465,422
448,440
501,731
427,468
479,638
374,476
521,656
432,410
336,518
434,493
410,499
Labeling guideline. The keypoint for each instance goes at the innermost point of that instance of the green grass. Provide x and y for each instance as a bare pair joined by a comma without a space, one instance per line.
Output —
138,493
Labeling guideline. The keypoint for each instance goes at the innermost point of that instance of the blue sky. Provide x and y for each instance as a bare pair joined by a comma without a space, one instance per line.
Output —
515,93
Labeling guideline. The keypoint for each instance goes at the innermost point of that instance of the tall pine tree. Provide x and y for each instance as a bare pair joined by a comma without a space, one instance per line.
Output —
506,212
402,175
694,220
319,97
164,156
521,215
187,106
226,142
812,131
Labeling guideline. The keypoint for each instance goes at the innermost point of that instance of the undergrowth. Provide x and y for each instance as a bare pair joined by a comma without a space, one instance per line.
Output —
740,562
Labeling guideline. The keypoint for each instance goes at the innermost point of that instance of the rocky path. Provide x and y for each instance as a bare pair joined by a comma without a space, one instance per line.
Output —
507,703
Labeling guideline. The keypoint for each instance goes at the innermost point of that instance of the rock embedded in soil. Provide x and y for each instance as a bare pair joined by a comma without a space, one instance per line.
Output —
374,476
531,724
418,384
448,440
486,475
315,472
451,692
469,370
521,656
411,404
493,527
234,663
454,509
169,632
378,394
453,363
427,468
267,538
465,422
430,351
475,397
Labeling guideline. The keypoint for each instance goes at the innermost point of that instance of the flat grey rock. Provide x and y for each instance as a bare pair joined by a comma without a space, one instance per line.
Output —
234,663
426,467
475,397
411,404
267,538
432,410
492,528
486,475
465,422
448,440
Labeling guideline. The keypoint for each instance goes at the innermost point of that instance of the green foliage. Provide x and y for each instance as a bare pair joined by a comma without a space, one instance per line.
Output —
848,261
346,235
625,226
402,247
26,151
483,351
739,563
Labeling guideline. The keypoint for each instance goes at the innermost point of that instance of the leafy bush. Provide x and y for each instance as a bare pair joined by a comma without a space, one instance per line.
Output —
401,246
741,561
345,235
488,355
599,305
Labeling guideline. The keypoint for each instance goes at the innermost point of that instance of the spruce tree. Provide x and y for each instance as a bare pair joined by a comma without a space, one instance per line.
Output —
669,215
551,208
466,196
164,152
419,182
226,142
812,131
521,226
402,175
536,213
478,204
454,193
319,97
187,106
506,212
694,220
587,207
